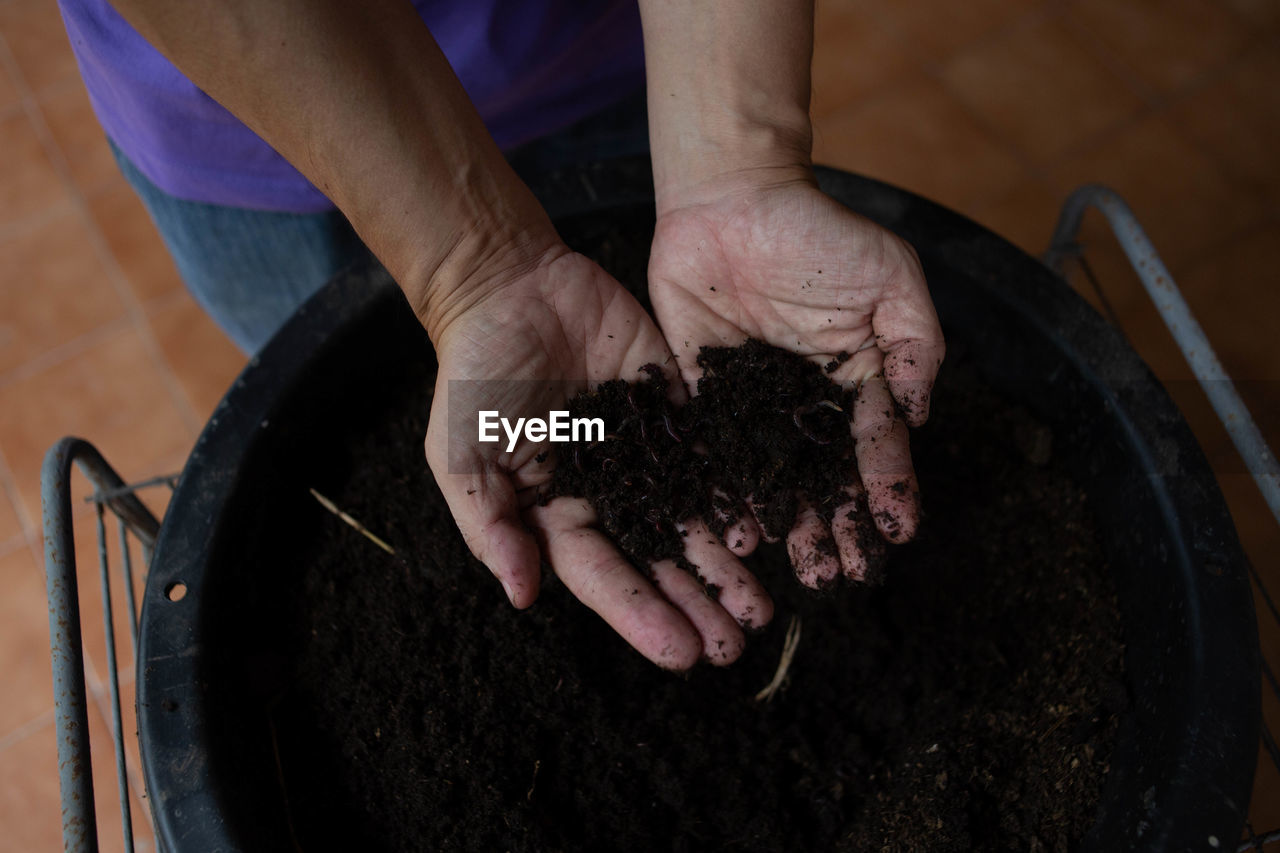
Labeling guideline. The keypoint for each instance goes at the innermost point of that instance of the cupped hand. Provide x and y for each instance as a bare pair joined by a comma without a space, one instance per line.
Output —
789,265
549,330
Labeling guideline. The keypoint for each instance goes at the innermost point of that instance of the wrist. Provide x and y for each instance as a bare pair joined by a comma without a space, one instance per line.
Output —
728,89
476,268
703,152
471,251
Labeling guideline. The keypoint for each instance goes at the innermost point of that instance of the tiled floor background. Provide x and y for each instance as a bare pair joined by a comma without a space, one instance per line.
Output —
994,107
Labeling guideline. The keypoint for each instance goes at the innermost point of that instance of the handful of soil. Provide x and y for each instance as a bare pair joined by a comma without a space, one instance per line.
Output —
643,478
776,429
767,427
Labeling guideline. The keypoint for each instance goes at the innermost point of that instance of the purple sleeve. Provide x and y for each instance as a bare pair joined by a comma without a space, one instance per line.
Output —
530,67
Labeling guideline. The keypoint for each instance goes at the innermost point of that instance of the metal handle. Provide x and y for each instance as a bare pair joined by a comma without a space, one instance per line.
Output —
1208,371
75,777
1182,324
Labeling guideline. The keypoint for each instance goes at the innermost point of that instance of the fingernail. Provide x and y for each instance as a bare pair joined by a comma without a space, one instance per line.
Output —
511,596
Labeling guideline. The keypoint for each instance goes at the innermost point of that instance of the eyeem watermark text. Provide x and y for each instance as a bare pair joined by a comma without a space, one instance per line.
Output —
559,427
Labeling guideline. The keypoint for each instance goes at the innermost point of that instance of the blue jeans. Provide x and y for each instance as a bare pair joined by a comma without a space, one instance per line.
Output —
248,269
251,269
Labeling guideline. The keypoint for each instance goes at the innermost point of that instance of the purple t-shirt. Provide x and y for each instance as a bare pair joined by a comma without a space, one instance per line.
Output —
530,66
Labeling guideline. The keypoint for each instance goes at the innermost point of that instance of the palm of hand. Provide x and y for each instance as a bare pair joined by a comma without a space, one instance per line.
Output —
550,335
796,269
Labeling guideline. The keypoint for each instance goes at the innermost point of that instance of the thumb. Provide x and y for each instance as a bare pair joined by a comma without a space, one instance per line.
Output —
910,337
483,502
911,367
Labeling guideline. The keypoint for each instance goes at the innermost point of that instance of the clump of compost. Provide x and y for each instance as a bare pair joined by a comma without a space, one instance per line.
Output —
643,478
767,427
776,429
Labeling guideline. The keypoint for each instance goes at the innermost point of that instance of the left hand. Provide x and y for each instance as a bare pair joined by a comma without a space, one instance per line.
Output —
785,263
522,341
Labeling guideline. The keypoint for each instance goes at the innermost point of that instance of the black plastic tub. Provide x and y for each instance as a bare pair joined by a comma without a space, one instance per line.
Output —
1183,766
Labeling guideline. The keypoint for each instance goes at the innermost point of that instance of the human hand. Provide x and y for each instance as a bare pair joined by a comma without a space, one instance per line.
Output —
524,345
783,262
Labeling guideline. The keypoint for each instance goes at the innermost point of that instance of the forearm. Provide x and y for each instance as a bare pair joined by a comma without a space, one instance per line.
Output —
728,94
362,101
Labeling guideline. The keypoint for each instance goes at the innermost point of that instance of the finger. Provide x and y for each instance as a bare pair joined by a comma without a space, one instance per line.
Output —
861,366
741,533
742,537
483,502
603,580
814,555
911,368
722,641
883,452
907,331
862,549
757,514
487,511
726,579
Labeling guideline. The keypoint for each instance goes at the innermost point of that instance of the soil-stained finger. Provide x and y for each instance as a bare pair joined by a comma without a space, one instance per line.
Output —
757,510
722,638
862,549
814,554
602,579
487,512
726,579
911,368
884,462
856,367
743,535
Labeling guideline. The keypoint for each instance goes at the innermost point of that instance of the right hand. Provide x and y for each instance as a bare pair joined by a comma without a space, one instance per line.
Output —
781,261
527,341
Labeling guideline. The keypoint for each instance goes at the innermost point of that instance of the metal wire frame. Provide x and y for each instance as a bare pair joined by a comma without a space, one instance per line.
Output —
1213,379
75,767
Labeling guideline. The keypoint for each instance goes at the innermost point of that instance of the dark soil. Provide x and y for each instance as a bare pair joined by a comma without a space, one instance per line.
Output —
969,702
775,430
643,478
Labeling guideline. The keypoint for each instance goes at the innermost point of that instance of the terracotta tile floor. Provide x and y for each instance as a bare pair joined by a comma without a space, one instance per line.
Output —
997,108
